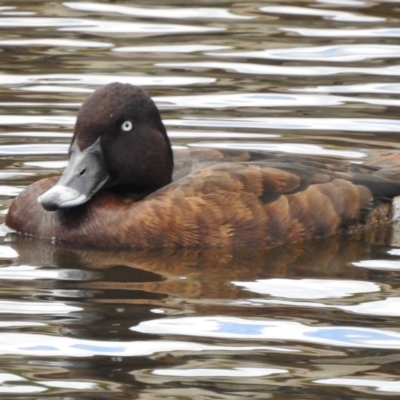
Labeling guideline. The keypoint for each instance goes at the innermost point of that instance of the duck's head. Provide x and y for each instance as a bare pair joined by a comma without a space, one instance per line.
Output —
119,143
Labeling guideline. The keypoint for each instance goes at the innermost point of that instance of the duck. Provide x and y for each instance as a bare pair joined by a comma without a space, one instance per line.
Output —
124,187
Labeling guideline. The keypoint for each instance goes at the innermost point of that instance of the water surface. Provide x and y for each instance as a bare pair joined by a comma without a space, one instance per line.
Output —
318,320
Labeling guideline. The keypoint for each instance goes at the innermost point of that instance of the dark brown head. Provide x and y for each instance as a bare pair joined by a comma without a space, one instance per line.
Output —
119,143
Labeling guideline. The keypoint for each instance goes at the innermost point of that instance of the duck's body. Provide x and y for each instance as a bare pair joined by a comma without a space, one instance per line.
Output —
130,198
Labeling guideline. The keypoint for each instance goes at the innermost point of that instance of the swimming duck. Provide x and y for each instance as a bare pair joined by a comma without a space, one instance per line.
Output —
120,188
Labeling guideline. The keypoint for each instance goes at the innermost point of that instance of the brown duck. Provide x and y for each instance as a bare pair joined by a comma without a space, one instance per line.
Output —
121,188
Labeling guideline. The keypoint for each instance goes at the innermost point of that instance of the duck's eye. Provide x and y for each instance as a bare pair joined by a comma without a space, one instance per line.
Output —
127,126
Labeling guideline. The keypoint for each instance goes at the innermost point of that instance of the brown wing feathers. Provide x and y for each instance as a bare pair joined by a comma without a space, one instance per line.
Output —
231,204
256,203
297,202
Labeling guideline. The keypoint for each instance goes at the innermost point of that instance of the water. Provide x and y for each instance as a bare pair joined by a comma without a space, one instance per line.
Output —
313,321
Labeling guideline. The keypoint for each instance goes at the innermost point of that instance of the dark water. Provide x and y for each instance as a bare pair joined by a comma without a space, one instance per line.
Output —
314,321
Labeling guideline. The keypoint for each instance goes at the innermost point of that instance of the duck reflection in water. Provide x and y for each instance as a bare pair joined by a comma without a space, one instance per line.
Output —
208,272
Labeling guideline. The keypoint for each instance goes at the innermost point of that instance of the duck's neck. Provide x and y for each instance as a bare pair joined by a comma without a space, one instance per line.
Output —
140,174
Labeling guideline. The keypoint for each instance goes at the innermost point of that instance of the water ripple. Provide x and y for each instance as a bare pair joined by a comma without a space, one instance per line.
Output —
335,15
158,12
293,123
309,288
363,382
54,346
214,372
371,87
29,272
99,26
381,308
245,328
177,48
54,43
268,100
336,53
378,264
34,148
254,69
47,81
13,384
290,148
102,26
32,307
344,33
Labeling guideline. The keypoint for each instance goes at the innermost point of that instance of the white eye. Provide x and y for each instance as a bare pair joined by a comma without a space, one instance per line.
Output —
127,126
